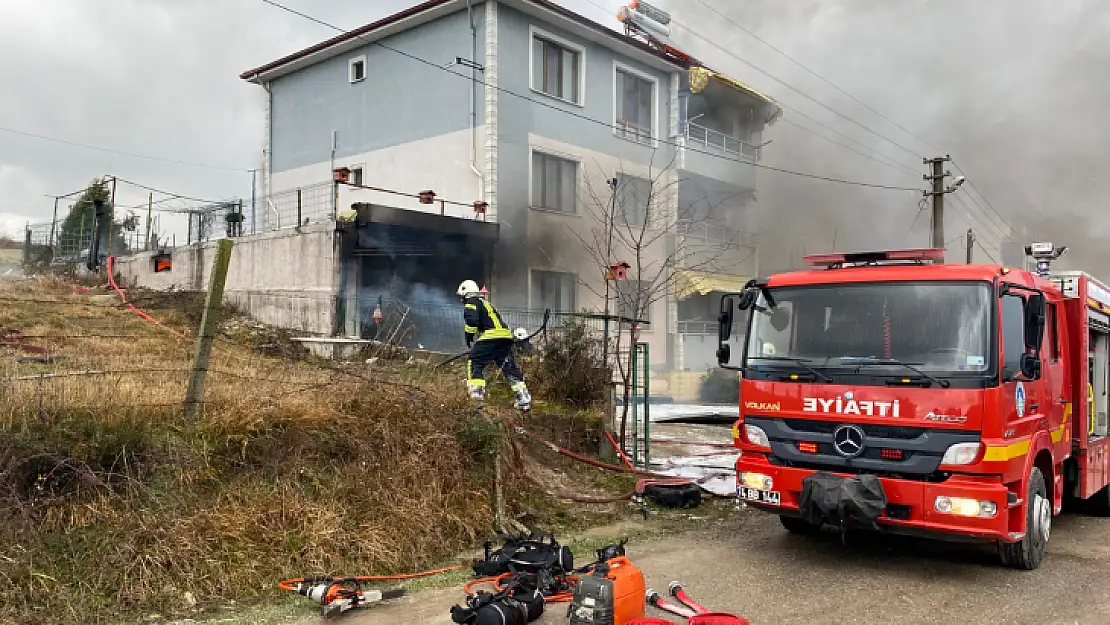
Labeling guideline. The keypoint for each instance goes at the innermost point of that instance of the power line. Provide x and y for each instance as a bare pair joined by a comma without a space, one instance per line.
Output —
884,158
985,251
586,117
695,33
113,151
818,76
988,227
878,159
170,193
972,185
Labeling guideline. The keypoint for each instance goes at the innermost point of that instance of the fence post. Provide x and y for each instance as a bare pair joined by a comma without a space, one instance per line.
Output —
209,320
27,246
298,208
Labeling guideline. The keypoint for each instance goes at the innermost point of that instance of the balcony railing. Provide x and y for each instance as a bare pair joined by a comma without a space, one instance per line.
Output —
720,141
714,234
697,327
627,130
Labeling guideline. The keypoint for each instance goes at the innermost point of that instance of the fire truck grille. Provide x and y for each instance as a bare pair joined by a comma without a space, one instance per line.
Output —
910,452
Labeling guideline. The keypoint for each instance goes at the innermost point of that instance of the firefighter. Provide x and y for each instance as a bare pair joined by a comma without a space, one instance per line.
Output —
489,342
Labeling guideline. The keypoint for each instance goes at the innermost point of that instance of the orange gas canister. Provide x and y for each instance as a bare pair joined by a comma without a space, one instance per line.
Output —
612,595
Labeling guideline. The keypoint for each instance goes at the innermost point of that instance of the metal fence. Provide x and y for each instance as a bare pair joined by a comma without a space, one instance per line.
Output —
439,328
710,233
296,207
50,243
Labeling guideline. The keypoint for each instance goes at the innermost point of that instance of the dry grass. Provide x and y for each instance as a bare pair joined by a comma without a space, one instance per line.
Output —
114,506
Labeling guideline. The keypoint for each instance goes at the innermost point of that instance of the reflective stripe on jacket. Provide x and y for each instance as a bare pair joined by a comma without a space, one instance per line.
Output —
480,318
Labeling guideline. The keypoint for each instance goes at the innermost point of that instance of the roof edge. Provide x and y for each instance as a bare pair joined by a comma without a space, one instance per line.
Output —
254,75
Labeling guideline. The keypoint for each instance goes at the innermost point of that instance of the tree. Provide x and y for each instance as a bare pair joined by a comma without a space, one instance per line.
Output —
639,221
75,234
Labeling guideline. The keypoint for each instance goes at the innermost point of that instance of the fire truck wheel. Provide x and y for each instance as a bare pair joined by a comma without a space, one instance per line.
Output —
796,525
1028,553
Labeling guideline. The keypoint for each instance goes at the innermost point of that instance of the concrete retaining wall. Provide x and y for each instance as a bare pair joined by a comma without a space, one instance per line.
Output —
286,279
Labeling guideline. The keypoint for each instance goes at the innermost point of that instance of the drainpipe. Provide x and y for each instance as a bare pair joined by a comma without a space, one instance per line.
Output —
473,108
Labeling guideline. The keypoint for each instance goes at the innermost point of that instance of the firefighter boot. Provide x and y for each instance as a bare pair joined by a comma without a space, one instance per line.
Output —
523,397
477,393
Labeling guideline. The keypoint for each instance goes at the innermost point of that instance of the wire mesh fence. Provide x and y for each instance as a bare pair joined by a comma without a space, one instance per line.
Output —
296,207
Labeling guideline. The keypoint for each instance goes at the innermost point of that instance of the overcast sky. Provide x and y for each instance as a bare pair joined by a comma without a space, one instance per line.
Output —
1014,90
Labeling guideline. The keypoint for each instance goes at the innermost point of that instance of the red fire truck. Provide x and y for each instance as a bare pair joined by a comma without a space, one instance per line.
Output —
891,391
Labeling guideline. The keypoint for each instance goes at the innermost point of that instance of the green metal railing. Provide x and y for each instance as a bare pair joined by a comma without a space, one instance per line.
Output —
641,381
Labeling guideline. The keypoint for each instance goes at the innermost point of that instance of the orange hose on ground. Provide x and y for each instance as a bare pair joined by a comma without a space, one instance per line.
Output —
123,298
289,584
620,452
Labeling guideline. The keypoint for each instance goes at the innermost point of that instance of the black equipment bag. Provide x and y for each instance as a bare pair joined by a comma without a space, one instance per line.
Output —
538,551
828,498
512,606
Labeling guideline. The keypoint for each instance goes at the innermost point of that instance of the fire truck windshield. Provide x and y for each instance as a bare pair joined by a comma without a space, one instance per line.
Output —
939,327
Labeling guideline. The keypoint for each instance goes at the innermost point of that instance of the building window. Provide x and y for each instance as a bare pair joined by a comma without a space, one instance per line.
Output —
556,69
552,289
356,69
635,96
634,299
356,175
634,200
554,183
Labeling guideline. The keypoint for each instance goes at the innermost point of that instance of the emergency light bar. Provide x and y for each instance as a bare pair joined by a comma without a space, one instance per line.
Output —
831,261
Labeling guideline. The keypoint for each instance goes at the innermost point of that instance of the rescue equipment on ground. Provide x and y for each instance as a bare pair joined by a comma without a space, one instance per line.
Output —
692,611
538,552
678,493
612,594
517,604
340,594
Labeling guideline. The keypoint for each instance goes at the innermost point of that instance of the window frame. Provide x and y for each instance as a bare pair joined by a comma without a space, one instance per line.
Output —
538,33
351,62
1052,331
358,167
532,271
532,152
1004,359
648,207
654,129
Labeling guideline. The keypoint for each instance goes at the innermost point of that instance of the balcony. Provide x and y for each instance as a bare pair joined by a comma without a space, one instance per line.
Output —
712,234
698,135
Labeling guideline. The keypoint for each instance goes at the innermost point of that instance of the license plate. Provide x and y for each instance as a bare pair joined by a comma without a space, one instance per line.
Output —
761,496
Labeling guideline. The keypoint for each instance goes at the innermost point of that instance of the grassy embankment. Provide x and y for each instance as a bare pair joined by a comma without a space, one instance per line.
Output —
114,507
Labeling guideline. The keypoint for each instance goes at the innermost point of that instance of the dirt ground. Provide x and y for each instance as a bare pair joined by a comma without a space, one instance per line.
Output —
750,566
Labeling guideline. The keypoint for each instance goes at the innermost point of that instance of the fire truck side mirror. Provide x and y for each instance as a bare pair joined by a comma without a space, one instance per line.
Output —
729,303
1030,366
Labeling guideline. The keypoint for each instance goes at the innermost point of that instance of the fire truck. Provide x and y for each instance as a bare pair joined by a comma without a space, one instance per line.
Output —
888,390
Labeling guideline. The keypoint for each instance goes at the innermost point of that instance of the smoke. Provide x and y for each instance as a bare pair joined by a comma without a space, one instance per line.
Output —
1013,91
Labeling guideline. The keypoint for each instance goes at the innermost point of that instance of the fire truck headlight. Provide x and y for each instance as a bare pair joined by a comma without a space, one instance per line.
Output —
961,506
756,436
962,453
757,481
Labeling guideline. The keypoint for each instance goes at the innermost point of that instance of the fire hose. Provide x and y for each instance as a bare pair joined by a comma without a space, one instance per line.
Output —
543,328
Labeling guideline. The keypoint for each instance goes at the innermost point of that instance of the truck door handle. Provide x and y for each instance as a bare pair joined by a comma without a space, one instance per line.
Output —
1034,405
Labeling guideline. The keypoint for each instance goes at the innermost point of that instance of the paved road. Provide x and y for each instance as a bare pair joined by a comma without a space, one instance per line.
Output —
750,566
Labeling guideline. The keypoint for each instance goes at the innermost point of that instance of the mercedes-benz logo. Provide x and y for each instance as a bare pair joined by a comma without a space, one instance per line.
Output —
848,441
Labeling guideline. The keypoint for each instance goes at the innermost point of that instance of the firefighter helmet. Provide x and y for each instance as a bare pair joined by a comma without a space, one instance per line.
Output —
468,288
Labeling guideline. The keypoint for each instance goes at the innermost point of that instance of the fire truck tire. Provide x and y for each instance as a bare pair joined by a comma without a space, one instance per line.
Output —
796,525
1100,502
1028,553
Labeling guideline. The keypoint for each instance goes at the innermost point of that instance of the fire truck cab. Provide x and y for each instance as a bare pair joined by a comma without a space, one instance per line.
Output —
888,391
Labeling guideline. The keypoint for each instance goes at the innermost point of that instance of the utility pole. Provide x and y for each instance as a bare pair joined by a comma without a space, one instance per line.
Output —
254,228
54,222
609,221
970,244
149,216
937,176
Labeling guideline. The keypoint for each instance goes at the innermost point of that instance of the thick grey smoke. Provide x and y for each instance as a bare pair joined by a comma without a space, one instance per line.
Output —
1012,90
